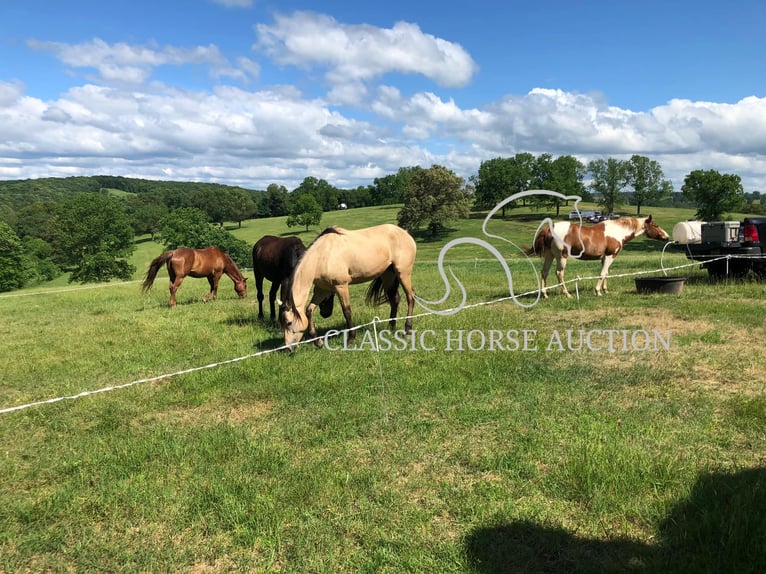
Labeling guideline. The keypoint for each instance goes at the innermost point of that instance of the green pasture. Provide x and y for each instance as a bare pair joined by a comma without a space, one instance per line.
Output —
225,456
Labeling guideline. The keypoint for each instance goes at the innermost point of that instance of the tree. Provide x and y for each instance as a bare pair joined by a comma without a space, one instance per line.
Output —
647,180
93,237
498,178
275,202
563,174
188,227
436,196
325,194
713,193
306,211
11,268
609,179
392,188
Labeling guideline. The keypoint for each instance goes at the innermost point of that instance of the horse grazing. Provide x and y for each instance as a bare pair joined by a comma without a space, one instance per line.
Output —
274,259
339,257
600,241
210,262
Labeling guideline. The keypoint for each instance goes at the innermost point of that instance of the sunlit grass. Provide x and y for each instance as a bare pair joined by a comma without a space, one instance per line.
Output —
416,459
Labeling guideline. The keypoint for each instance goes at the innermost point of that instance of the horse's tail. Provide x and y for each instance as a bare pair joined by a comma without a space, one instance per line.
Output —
154,267
541,244
376,295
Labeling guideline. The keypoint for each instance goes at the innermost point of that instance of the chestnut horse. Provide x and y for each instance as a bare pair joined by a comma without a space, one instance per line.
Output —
602,241
339,257
210,262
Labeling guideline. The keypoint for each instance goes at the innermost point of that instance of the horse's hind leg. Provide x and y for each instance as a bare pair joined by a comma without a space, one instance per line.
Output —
405,280
547,261
175,283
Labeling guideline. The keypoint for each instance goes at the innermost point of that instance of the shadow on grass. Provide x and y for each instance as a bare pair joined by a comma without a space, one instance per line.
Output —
720,527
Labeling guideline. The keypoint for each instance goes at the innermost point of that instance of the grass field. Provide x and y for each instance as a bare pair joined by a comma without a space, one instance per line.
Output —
422,459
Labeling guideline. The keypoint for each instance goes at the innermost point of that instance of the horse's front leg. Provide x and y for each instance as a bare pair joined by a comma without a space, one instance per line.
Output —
311,328
272,299
259,290
606,262
561,264
345,305
213,282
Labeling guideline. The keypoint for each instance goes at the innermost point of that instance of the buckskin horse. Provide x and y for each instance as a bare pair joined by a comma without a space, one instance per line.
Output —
384,254
602,241
210,263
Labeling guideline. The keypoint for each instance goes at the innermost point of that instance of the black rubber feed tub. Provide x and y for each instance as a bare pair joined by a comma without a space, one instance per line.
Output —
665,284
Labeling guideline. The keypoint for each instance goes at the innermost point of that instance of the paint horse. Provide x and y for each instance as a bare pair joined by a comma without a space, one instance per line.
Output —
383,255
210,263
602,241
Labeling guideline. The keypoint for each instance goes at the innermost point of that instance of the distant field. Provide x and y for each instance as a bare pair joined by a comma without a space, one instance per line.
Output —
642,450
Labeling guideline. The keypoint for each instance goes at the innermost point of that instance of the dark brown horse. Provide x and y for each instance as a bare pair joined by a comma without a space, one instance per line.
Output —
274,259
210,262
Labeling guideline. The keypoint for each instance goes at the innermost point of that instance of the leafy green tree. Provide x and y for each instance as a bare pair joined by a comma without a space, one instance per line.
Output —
563,174
35,220
325,194
436,196
647,180
188,227
93,237
305,211
38,261
275,202
392,188
609,179
11,259
500,177
713,193
145,213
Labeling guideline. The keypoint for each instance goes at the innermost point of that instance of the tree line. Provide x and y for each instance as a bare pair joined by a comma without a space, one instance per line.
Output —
87,225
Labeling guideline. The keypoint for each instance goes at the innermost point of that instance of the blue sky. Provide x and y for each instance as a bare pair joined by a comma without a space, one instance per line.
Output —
257,92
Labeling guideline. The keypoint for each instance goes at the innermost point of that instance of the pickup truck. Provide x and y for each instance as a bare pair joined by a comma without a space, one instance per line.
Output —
725,248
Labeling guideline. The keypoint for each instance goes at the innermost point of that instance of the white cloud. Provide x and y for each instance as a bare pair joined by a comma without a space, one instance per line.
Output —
134,64
356,131
362,52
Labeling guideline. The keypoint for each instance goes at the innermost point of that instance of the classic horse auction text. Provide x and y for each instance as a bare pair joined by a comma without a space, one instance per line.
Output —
522,340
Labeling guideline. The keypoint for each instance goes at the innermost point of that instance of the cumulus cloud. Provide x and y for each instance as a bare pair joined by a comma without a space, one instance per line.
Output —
134,64
362,52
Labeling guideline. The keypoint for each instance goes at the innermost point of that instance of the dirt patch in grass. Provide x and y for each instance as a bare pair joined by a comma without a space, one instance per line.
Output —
215,413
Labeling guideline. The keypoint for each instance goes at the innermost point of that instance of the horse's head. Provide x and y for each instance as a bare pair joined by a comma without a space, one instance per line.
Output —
654,231
293,322
241,288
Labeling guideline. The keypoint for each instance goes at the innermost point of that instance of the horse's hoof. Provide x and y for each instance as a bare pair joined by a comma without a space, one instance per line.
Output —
319,343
